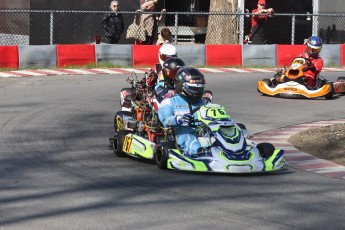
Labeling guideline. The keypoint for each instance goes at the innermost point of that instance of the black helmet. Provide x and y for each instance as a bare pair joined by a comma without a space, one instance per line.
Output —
170,68
190,82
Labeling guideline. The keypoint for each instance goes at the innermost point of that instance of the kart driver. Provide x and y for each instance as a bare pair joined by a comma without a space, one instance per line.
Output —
165,88
166,51
175,112
314,62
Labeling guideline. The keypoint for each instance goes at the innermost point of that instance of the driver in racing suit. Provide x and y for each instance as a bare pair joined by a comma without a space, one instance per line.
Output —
175,112
314,61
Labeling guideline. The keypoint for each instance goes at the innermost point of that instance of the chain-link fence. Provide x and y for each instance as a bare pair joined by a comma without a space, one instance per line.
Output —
42,27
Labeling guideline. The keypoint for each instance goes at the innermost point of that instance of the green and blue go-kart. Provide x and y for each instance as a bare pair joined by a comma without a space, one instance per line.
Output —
229,149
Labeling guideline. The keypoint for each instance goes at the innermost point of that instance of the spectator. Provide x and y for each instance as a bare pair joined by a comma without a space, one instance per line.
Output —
164,37
113,24
150,21
259,23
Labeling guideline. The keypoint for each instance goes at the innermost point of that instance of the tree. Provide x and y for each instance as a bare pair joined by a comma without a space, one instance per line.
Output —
222,29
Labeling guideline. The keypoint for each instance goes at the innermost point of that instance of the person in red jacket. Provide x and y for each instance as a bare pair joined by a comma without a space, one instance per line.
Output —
315,62
259,23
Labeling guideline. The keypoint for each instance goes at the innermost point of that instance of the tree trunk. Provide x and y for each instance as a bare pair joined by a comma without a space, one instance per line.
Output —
222,29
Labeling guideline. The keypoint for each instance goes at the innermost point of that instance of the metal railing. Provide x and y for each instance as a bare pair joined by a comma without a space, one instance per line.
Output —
45,27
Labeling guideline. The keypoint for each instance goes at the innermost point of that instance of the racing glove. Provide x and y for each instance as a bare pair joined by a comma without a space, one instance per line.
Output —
310,66
184,119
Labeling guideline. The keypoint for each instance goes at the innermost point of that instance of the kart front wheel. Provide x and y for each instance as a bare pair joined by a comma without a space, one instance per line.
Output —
162,154
266,149
119,139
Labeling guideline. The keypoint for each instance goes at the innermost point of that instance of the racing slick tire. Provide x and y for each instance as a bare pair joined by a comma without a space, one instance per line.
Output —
341,79
118,118
265,149
162,154
330,94
118,141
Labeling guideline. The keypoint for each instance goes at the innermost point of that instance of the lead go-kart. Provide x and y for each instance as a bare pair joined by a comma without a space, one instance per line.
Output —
229,150
289,83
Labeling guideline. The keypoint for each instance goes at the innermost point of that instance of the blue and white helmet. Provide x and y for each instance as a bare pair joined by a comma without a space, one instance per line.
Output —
314,46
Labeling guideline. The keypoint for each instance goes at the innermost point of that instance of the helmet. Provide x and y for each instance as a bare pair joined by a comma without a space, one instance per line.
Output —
314,45
190,83
166,51
170,68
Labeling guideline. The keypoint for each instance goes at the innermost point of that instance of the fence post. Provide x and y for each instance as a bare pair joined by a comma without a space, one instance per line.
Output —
51,29
293,29
241,26
176,28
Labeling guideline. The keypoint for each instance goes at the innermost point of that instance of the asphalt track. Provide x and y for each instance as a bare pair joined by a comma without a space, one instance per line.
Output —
57,172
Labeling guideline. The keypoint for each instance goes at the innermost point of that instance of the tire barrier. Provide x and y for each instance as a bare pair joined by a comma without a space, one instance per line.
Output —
50,56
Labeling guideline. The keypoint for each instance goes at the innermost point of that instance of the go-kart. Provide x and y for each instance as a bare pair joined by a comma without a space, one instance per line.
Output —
289,83
228,149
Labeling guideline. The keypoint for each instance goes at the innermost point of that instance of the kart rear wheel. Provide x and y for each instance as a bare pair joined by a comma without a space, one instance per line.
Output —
162,154
341,79
119,118
330,94
118,141
265,149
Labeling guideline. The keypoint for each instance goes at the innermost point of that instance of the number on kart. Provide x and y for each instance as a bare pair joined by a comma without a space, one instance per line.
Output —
127,144
298,61
216,113
118,123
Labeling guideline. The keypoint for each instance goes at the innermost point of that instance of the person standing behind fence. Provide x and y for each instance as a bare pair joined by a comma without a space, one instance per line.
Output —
259,23
164,37
150,21
113,24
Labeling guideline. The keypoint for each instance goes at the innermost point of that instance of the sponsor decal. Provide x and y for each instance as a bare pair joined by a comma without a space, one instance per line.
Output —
290,89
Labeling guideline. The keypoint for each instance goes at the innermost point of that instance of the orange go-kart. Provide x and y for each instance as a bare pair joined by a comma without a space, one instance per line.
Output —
289,83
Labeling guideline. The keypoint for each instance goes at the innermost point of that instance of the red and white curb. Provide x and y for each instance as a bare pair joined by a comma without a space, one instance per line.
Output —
294,157
48,72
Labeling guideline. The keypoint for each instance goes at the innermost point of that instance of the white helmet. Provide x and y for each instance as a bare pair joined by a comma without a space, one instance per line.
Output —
165,52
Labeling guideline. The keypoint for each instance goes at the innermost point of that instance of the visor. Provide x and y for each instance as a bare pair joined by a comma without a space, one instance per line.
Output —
196,90
314,50
164,57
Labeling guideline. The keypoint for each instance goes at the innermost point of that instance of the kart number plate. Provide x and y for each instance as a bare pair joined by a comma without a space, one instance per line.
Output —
219,113
127,144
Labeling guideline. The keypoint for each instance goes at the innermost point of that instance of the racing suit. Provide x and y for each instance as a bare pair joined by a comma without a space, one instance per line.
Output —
313,70
168,111
163,91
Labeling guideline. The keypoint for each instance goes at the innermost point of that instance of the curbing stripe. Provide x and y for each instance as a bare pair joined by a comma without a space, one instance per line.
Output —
81,71
209,70
54,72
108,71
300,160
3,74
263,70
130,70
